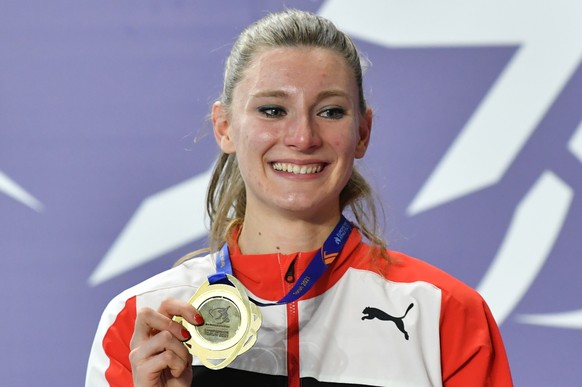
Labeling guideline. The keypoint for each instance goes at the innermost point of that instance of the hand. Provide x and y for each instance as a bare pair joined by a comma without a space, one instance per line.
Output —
158,356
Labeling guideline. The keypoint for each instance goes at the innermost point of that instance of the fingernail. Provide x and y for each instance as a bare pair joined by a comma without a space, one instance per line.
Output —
185,334
198,319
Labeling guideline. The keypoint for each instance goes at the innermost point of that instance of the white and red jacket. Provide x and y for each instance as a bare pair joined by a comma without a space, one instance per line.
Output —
414,325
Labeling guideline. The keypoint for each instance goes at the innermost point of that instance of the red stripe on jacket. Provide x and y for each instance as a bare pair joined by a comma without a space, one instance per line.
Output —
116,346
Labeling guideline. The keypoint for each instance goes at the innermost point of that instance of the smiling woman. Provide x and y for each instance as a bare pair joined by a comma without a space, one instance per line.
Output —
292,292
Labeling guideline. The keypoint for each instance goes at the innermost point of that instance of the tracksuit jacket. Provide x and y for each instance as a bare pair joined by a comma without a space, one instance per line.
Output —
362,324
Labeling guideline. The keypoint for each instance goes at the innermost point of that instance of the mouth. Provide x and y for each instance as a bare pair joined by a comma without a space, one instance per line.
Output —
308,169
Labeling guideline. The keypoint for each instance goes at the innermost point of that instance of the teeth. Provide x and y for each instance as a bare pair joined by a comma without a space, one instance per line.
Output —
297,169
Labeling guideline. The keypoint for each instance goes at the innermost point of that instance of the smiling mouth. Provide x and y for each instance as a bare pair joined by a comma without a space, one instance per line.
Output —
297,169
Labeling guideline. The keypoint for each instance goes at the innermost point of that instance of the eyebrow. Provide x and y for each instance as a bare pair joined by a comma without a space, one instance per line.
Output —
283,94
270,93
333,93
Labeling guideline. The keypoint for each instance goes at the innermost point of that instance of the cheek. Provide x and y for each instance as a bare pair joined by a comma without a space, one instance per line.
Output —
345,145
251,144
254,134
265,137
256,143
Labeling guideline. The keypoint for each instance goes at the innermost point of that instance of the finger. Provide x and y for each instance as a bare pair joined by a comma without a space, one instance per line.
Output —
173,307
150,323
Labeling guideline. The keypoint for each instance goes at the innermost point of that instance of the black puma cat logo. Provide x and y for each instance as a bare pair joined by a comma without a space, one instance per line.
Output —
372,313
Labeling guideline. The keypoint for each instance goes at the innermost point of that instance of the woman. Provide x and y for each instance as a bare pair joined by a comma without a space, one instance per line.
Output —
290,123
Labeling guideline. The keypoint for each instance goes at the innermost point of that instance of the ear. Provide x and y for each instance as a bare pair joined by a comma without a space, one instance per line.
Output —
364,131
221,125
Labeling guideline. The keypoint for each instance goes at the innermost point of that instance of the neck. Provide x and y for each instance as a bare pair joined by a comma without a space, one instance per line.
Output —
284,235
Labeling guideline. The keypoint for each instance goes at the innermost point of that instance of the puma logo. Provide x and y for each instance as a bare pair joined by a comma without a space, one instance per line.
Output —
371,313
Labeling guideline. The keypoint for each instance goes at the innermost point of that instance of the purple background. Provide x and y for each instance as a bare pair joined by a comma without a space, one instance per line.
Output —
100,104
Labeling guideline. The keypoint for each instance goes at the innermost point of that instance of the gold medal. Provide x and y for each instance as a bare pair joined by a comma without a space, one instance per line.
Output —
231,322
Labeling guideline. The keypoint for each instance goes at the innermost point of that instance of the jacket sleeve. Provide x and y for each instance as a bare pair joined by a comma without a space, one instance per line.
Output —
472,351
109,359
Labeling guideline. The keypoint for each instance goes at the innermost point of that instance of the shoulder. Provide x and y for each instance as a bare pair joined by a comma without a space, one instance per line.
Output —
463,311
456,300
178,282
404,268
470,342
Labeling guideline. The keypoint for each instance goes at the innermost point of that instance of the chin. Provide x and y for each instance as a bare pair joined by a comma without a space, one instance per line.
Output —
304,205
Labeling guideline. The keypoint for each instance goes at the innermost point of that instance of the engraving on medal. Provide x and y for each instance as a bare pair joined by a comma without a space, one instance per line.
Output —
222,319
231,322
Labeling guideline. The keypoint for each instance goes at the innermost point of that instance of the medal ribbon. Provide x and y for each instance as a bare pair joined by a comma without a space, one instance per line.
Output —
318,265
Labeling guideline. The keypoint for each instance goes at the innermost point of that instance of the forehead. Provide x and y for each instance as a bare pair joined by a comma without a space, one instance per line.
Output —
298,67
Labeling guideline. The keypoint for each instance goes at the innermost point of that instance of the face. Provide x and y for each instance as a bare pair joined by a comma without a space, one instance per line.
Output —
296,128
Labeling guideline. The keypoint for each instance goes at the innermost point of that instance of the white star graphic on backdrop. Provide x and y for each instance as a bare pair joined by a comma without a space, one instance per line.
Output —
163,222
10,188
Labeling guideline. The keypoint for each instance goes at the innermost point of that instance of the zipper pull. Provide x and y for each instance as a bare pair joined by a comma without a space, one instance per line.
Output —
290,275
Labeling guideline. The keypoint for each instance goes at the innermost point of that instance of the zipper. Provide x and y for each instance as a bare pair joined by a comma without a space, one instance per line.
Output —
293,374
293,362
290,274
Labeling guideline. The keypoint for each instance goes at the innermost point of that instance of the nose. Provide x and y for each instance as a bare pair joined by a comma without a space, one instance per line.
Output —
302,134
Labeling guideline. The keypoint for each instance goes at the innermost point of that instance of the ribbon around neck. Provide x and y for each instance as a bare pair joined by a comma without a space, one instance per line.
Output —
331,248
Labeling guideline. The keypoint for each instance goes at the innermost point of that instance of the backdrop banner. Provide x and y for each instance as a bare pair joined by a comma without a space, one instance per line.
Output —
105,152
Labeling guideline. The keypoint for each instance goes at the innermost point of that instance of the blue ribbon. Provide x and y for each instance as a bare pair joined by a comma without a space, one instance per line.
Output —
331,248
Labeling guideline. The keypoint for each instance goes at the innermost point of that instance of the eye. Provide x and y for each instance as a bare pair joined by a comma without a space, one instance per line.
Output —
334,113
272,111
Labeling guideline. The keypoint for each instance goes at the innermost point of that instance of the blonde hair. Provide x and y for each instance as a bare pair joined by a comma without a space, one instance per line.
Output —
226,196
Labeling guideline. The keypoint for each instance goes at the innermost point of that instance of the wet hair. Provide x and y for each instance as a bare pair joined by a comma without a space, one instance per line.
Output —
226,196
